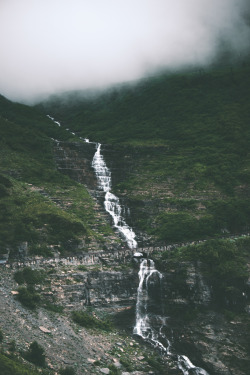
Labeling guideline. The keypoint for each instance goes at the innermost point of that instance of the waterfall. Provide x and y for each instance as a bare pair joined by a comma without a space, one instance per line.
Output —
148,324
146,321
143,326
111,202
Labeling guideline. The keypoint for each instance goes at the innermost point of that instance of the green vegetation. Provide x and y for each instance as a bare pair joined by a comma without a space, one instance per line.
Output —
67,371
224,267
182,139
113,370
10,366
25,126
126,363
156,363
88,320
82,268
187,224
27,216
180,156
39,205
28,297
29,276
52,307
12,346
35,354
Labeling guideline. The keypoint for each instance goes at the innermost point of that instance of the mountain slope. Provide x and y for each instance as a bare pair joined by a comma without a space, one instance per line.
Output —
177,147
184,144
40,206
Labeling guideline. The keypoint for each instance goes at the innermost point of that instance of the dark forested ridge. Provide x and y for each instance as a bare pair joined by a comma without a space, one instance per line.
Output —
163,109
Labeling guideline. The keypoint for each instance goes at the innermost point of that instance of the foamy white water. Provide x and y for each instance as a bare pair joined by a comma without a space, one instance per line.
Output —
143,326
111,202
52,118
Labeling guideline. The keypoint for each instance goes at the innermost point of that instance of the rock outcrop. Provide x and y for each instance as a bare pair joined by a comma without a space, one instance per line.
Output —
212,338
74,160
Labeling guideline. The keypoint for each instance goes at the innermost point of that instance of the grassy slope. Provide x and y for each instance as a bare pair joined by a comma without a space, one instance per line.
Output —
26,169
9,366
191,134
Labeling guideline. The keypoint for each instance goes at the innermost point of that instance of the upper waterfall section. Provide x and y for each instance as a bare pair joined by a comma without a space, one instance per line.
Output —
111,202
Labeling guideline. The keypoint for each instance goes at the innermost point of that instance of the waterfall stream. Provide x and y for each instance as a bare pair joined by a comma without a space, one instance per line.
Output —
146,321
149,325
143,326
111,202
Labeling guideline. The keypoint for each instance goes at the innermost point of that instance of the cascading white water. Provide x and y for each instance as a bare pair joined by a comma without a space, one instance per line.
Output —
186,366
144,327
111,202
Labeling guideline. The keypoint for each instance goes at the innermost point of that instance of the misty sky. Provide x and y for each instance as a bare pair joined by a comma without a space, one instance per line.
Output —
49,46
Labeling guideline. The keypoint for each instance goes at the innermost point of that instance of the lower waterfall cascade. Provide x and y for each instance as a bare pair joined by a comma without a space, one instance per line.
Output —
143,326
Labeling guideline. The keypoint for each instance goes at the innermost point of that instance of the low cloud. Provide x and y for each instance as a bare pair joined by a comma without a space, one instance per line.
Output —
49,46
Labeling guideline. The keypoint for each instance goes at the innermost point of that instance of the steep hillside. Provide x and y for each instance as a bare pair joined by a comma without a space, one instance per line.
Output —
41,208
180,149
177,148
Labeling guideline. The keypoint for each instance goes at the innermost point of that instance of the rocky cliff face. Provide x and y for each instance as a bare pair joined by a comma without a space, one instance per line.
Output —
74,160
211,337
96,288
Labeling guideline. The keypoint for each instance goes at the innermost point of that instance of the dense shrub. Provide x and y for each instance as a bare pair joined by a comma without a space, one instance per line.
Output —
35,354
29,276
42,250
9,366
87,320
177,227
28,297
113,369
67,371
52,307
